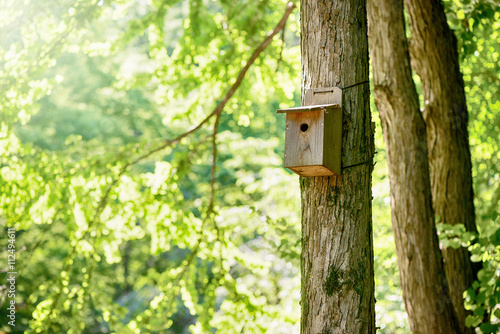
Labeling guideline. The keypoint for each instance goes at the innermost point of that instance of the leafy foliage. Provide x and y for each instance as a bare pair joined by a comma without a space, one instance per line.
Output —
476,23
483,297
115,221
122,229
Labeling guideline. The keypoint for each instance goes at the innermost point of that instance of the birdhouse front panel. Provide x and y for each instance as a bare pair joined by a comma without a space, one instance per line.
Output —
304,139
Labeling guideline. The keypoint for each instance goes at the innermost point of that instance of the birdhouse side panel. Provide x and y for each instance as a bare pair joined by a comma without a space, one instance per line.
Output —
304,139
333,140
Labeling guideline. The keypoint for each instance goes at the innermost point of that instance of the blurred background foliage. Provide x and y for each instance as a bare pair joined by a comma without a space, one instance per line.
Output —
115,235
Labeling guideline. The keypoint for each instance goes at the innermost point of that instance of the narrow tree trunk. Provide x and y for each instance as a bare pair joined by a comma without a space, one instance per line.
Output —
337,247
435,58
423,280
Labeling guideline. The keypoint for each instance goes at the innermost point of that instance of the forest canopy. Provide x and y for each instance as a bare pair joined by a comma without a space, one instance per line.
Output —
141,167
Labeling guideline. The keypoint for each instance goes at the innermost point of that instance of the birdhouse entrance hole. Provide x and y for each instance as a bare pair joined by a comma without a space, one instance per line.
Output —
313,137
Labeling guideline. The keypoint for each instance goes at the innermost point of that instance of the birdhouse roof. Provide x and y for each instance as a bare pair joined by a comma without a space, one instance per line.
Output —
309,108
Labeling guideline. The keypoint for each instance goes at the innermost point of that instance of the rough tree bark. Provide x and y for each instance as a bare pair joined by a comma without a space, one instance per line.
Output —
423,280
435,58
337,247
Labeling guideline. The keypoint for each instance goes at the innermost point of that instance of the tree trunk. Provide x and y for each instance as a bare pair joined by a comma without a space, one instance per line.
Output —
423,279
435,58
337,247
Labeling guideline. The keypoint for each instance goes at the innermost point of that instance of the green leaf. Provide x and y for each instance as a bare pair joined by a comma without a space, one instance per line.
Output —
458,229
479,311
455,243
476,257
481,297
495,238
472,321
489,328
485,274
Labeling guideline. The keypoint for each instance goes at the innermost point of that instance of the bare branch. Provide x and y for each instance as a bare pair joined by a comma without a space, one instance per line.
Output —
220,106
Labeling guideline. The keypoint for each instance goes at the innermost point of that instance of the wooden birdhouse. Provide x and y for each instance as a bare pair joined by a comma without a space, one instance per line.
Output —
313,136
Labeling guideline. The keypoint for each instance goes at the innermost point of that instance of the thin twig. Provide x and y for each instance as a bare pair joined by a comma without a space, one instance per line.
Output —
211,203
212,168
176,280
41,238
282,47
